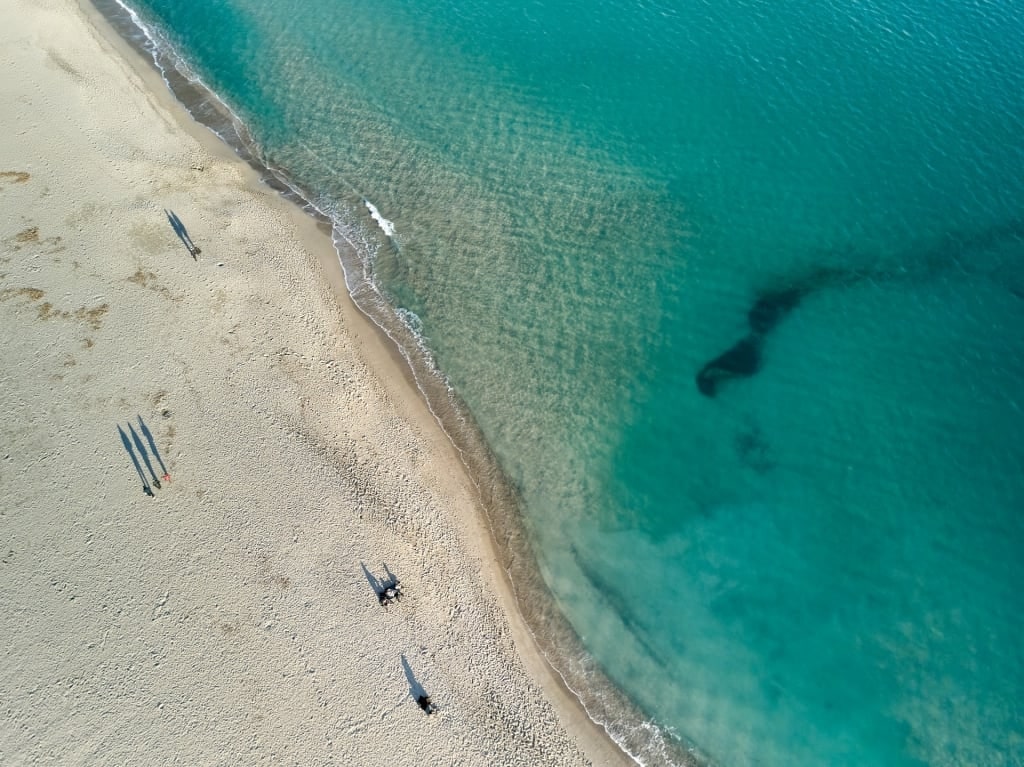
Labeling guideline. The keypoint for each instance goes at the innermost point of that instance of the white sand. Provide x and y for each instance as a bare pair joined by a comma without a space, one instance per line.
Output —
227,620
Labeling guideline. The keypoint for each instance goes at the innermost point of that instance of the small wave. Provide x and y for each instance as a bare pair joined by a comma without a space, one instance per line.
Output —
411,320
159,46
206,106
385,226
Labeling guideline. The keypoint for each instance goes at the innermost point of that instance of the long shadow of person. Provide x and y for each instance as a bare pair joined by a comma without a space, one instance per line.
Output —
145,456
128,446
372,579
166,476
416,690
182,232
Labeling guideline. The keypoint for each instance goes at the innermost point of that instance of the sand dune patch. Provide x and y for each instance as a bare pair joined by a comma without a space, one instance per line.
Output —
29,237
13,177
147,279
92,316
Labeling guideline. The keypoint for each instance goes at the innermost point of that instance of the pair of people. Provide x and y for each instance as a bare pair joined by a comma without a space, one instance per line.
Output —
388,592
391,592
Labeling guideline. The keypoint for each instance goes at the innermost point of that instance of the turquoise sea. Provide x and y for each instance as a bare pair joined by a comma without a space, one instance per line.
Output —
734,292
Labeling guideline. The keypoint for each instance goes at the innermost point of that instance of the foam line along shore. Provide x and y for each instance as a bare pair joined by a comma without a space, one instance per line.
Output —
225,613
358,250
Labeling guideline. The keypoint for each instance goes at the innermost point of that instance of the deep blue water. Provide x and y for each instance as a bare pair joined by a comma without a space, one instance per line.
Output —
817,559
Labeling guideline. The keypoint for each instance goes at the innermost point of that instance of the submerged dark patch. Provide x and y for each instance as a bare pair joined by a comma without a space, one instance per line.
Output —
753,450
743,359
770,307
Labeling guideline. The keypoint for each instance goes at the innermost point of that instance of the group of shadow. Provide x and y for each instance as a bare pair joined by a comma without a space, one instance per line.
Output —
389,590
135,444
148,483
182,232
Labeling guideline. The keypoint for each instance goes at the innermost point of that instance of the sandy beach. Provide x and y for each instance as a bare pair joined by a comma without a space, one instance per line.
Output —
230,618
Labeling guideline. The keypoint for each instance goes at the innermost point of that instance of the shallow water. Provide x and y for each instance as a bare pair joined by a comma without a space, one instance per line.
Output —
820,563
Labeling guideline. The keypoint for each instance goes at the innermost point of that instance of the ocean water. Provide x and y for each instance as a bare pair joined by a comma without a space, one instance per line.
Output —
734,293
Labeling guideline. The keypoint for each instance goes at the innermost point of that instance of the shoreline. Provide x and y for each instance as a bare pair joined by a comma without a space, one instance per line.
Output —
583,694
388,376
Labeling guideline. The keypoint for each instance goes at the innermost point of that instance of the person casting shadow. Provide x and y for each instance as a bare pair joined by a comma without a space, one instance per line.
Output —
388,590
145,456
416,690
424,702
166,476
182,232
391,588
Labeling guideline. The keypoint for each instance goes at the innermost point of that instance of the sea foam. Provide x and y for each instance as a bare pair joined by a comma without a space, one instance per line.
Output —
385,226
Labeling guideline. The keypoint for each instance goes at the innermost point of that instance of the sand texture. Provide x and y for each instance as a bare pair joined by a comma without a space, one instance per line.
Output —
227,620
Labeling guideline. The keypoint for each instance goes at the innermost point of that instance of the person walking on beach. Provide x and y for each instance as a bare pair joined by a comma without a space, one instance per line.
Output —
426,704
135,462
182,232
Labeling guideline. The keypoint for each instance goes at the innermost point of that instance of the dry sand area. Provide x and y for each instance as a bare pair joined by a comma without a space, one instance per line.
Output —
227,620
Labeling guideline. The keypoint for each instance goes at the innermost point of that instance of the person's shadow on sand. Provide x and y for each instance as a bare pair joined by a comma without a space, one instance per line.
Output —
372,579
166,477
182,232
128,446
145,456
416,690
